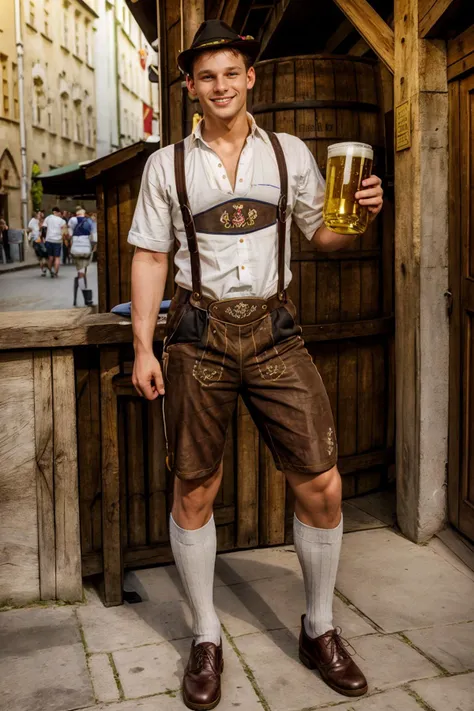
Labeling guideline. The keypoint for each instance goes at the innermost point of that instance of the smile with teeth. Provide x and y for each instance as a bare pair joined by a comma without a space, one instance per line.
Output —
222,100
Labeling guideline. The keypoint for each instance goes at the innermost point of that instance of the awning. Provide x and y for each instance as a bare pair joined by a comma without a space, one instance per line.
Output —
68,180
145,13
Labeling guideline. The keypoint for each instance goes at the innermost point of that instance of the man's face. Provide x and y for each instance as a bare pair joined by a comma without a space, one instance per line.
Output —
220,81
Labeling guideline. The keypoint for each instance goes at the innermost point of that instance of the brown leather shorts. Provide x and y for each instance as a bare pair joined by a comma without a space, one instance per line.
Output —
248,347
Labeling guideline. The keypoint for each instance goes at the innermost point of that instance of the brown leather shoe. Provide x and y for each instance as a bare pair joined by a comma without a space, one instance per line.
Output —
329,656
202,677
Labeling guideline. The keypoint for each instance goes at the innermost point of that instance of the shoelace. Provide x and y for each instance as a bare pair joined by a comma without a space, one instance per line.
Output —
202,654
340,644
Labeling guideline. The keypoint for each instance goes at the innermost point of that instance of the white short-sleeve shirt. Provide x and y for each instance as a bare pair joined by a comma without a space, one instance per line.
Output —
54,227
231,265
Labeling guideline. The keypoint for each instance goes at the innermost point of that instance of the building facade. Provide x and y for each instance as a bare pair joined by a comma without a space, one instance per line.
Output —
86,87
126,100
10,202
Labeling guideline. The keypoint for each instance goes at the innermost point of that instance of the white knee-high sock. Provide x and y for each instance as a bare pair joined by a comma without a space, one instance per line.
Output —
318,551
195,557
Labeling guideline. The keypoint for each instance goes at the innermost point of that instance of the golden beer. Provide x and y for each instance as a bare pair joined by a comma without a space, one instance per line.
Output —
348,165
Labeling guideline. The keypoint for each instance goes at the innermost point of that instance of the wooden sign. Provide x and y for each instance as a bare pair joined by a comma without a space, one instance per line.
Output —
402,126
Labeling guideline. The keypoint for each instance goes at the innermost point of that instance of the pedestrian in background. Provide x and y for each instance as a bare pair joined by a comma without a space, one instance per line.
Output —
35,237
55,227
4,241
84,239
67,258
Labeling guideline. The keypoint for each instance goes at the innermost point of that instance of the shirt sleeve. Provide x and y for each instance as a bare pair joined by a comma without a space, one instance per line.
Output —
152,226
308,209
71,225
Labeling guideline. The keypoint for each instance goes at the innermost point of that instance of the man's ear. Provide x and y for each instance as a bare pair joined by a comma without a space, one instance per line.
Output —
251,78
190,85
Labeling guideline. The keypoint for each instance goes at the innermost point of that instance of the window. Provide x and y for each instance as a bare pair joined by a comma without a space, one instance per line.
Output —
87,42
77,35
65,121
66,25
90,127
39,102
16,105
5,86
78,122
46,17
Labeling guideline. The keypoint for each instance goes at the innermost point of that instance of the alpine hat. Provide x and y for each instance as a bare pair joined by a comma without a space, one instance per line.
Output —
215,34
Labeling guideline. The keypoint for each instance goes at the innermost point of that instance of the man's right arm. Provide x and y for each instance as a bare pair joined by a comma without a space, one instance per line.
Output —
149,273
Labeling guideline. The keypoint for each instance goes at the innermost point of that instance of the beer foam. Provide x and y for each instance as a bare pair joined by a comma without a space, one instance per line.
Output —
349,148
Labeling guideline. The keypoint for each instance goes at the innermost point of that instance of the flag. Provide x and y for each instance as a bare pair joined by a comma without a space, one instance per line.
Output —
147,120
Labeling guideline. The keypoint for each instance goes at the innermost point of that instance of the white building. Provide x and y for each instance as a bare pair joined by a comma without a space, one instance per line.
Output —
126,101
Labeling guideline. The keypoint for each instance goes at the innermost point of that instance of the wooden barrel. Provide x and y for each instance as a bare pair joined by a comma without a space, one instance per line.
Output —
344,298
322,99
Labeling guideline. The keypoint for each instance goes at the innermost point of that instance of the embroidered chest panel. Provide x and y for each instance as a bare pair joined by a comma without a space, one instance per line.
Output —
238,216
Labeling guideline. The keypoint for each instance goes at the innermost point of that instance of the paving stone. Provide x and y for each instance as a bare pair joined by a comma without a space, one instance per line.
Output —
381,504
256,564
289,686
400,585
54,679
285,683
156,584
440,547
109,629
455,693
103,679
452,646
396,700
357,520
23,632
275,604
159,668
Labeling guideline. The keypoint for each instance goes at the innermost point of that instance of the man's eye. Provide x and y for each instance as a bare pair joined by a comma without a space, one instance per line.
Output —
232,74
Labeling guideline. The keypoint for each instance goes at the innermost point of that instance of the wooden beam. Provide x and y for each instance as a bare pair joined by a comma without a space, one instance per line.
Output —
421,278
341,33
273,21
430,12
359,49
461,54
373,29
229,11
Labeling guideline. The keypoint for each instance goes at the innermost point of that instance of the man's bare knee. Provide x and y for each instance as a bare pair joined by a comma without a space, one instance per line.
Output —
193,500
318,497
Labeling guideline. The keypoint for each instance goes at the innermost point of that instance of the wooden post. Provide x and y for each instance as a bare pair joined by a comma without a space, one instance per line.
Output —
45,472
421,277
66,485
112,545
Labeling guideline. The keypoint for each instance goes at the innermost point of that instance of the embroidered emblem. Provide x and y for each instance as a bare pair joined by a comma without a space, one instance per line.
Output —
241,310
206,376
330,441
238,218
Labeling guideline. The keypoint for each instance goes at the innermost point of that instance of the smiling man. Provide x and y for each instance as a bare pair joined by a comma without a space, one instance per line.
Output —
228,195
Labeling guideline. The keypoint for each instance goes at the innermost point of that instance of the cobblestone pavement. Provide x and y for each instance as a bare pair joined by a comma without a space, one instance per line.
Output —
408,611
27,290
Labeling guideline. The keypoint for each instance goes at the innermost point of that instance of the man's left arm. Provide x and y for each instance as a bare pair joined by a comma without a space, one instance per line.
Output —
371,196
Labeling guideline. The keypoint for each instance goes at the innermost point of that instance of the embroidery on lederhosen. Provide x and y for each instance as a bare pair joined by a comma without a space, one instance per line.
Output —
236,217
241,310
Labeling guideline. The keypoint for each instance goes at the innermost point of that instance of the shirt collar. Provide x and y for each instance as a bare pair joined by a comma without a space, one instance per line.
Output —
255,131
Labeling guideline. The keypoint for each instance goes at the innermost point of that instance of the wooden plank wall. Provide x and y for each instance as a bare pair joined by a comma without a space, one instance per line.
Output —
39,509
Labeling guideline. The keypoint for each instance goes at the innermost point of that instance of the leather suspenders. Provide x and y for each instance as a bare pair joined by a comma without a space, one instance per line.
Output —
188,219
190,227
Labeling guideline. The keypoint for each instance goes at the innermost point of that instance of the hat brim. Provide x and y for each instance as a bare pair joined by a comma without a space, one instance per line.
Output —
250,47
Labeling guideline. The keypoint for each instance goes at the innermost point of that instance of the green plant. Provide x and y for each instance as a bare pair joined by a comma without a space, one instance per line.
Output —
36,187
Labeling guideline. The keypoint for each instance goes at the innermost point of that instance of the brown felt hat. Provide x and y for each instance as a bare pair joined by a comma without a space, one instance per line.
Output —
215,34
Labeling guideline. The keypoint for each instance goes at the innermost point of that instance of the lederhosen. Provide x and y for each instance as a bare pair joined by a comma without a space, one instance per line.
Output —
215,351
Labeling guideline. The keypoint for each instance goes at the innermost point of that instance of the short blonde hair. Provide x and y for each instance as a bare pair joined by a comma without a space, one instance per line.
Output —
80,211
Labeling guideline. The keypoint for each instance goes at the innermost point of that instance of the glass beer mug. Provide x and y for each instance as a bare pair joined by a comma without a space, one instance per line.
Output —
348,165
